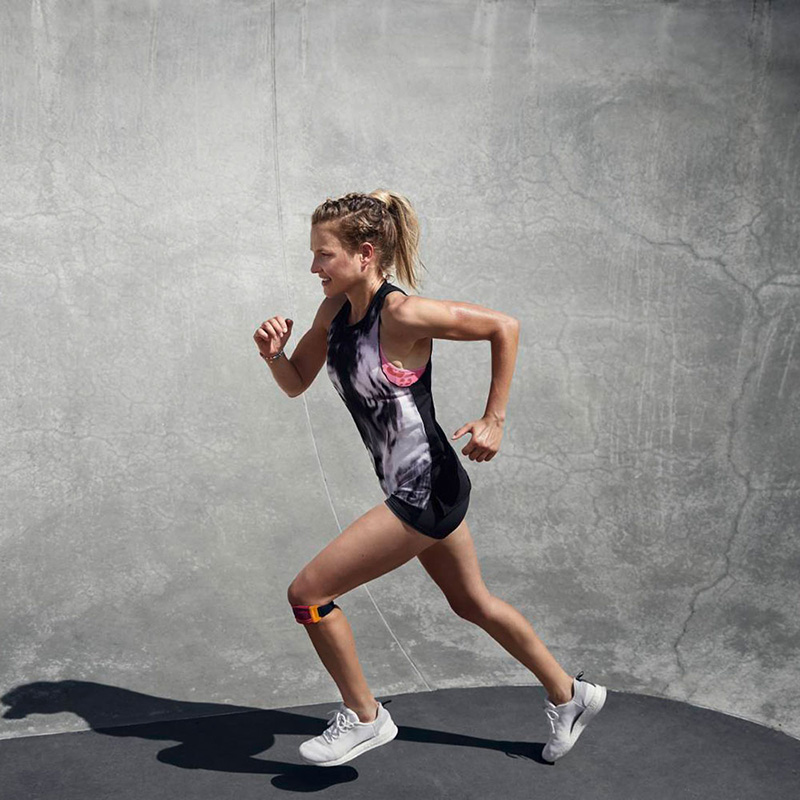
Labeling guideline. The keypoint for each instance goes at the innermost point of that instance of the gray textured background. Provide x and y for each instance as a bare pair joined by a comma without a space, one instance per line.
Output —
621,176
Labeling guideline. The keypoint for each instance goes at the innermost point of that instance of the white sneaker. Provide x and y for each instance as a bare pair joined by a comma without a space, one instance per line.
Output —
568,720
347,737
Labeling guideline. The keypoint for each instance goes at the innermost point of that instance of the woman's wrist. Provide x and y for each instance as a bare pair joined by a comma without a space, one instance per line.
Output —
272,359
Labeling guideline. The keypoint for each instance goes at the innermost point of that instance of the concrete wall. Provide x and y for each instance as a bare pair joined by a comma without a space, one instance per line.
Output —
621,176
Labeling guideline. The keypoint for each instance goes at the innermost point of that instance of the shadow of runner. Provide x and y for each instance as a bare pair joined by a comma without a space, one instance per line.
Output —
214,736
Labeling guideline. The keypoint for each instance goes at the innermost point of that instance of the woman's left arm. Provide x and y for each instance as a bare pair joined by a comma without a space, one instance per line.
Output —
423,317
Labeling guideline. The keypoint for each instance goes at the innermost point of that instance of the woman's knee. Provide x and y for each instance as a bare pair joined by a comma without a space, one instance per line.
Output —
474,608
303,590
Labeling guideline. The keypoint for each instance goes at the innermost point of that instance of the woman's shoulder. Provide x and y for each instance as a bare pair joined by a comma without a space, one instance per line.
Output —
392,302
399,341
392,314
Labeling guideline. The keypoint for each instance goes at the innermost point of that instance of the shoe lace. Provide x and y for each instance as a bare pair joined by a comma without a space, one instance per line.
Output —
337,723
552,716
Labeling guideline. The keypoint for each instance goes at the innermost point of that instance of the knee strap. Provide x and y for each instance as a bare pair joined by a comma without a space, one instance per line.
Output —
309,614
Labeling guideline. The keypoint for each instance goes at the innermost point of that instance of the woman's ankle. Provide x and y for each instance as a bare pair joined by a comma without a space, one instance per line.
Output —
562,696
368,713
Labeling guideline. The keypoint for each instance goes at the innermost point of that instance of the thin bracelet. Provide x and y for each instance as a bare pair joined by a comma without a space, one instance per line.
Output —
273,358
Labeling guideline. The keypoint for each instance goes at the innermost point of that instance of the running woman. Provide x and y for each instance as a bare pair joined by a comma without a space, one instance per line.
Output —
377,343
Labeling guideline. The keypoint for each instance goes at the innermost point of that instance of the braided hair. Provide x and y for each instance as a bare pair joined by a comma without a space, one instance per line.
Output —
383,218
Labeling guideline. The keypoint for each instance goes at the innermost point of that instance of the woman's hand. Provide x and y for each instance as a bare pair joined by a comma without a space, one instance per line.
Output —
486,435
272,335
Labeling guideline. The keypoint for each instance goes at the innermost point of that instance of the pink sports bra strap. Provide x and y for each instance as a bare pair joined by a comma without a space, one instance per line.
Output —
397,375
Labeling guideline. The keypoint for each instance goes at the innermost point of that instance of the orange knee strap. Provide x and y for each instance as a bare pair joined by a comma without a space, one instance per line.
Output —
309,614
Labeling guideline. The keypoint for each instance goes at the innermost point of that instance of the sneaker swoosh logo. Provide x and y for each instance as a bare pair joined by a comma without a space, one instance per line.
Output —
577,717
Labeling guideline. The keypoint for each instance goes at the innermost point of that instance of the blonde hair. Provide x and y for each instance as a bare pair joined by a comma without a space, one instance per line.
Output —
386,220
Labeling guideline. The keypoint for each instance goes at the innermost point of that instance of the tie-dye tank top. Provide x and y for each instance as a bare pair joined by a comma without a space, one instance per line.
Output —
420,474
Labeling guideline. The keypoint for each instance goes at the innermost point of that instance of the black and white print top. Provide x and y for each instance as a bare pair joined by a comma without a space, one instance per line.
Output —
417,468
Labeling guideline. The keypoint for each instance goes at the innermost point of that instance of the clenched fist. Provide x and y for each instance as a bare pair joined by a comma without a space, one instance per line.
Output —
271,336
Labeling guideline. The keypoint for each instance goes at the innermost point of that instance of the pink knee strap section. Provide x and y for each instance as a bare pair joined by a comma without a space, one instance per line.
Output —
306,615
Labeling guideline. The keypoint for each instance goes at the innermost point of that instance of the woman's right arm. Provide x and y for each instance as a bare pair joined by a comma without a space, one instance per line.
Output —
294,375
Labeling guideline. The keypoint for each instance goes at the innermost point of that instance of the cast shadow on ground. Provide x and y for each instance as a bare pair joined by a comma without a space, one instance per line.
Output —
217,736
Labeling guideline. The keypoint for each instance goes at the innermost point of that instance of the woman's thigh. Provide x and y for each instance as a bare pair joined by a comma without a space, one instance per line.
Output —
372,545
453,565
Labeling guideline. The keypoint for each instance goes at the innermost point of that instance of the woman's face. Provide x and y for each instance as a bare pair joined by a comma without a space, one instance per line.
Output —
332,261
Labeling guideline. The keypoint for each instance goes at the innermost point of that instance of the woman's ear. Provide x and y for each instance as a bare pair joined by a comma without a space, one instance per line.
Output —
367,251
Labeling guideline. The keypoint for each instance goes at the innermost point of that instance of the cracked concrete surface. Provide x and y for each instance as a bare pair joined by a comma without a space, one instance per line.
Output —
620,176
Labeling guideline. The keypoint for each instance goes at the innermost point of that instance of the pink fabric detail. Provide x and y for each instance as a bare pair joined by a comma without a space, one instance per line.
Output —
398,376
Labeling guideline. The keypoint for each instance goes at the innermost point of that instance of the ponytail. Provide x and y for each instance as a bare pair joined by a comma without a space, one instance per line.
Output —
385,219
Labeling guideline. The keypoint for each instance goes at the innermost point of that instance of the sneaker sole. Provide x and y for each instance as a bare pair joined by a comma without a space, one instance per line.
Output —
386,735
